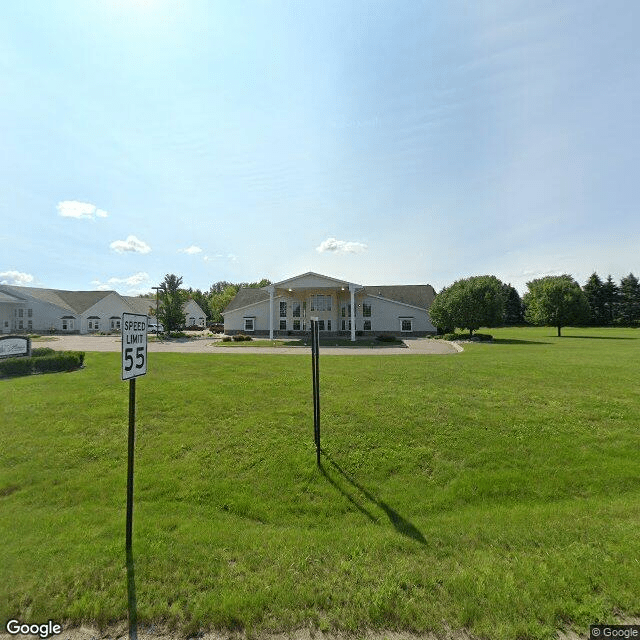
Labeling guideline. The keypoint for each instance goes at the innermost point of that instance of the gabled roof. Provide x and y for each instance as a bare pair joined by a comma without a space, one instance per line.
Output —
417,295
140,305
76,302
80,301
246,297
7,297
49,296
310,275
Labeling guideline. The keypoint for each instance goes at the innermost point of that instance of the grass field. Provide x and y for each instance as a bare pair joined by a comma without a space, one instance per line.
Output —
496,490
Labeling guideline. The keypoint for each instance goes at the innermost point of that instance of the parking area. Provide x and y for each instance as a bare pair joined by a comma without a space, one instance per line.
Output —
198,344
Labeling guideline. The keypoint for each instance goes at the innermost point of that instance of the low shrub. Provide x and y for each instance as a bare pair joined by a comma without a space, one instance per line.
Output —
16,367
482,337
39,352
384,338
43,363
62,361
226,338
177,334
240,337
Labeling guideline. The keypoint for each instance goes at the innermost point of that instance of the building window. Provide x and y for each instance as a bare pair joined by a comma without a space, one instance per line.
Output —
283,325
366,309
346,325
320,303
30,324
248,324
29,313
320,325
283,309
296,309
406,324
115,323
296,325
192,321
20,313
90,324
367,325
20,324
346,310
328,325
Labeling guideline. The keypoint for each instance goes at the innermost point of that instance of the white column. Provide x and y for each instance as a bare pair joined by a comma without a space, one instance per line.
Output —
271,293
352,290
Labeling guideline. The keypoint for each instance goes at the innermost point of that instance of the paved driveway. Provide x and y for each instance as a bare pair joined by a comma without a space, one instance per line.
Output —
413,346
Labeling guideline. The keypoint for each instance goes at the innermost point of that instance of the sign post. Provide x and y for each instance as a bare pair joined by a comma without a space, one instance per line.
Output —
315,356
134,364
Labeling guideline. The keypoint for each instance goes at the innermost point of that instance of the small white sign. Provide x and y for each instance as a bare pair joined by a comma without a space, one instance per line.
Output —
134,345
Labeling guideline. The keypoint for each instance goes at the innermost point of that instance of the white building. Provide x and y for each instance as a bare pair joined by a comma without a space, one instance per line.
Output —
342,308
36,310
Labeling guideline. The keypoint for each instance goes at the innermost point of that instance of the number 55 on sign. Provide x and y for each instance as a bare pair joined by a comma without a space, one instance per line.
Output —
134,345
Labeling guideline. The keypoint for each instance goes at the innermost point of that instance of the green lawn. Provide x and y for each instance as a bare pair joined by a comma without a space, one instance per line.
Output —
497,489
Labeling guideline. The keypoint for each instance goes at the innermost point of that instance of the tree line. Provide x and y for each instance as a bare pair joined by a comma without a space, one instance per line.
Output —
556,301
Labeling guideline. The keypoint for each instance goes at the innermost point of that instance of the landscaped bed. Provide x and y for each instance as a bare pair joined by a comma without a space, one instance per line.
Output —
497,491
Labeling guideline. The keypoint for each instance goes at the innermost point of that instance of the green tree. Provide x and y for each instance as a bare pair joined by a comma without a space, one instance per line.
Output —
469,303
594,292
629,301
555,301
172,298
219,300
513,307
611,297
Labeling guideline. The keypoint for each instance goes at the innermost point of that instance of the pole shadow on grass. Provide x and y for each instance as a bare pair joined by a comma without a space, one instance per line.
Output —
400,524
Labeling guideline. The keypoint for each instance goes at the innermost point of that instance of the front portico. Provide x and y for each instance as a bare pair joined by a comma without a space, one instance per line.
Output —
312,295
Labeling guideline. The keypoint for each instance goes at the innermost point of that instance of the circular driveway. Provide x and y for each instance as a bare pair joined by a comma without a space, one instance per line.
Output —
412,346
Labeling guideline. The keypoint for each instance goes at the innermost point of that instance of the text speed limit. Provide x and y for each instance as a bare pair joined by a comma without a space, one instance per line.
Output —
134,345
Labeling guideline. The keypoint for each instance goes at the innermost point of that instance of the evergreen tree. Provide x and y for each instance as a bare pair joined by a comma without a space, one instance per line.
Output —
595,293
629,305
513,307
611,299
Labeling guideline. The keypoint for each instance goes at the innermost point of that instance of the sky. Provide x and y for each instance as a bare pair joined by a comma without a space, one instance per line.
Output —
380,142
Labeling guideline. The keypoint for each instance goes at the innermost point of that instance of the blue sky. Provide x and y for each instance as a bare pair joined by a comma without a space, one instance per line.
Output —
379,142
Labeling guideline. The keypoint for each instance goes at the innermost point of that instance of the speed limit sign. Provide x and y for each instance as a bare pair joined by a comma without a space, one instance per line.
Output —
134,345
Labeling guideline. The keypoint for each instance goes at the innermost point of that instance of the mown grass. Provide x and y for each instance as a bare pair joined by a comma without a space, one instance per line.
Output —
497,489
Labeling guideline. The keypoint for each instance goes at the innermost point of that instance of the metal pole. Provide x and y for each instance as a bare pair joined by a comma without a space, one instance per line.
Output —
315,353
132,431
131,589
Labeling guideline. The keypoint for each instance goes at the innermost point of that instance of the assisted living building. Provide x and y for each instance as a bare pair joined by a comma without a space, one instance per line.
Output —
341,307
36,310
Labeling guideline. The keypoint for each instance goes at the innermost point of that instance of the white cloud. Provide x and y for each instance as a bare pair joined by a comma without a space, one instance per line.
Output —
341,246
192,250
75,209
15,278
221,256
131,244
137,278
130,284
